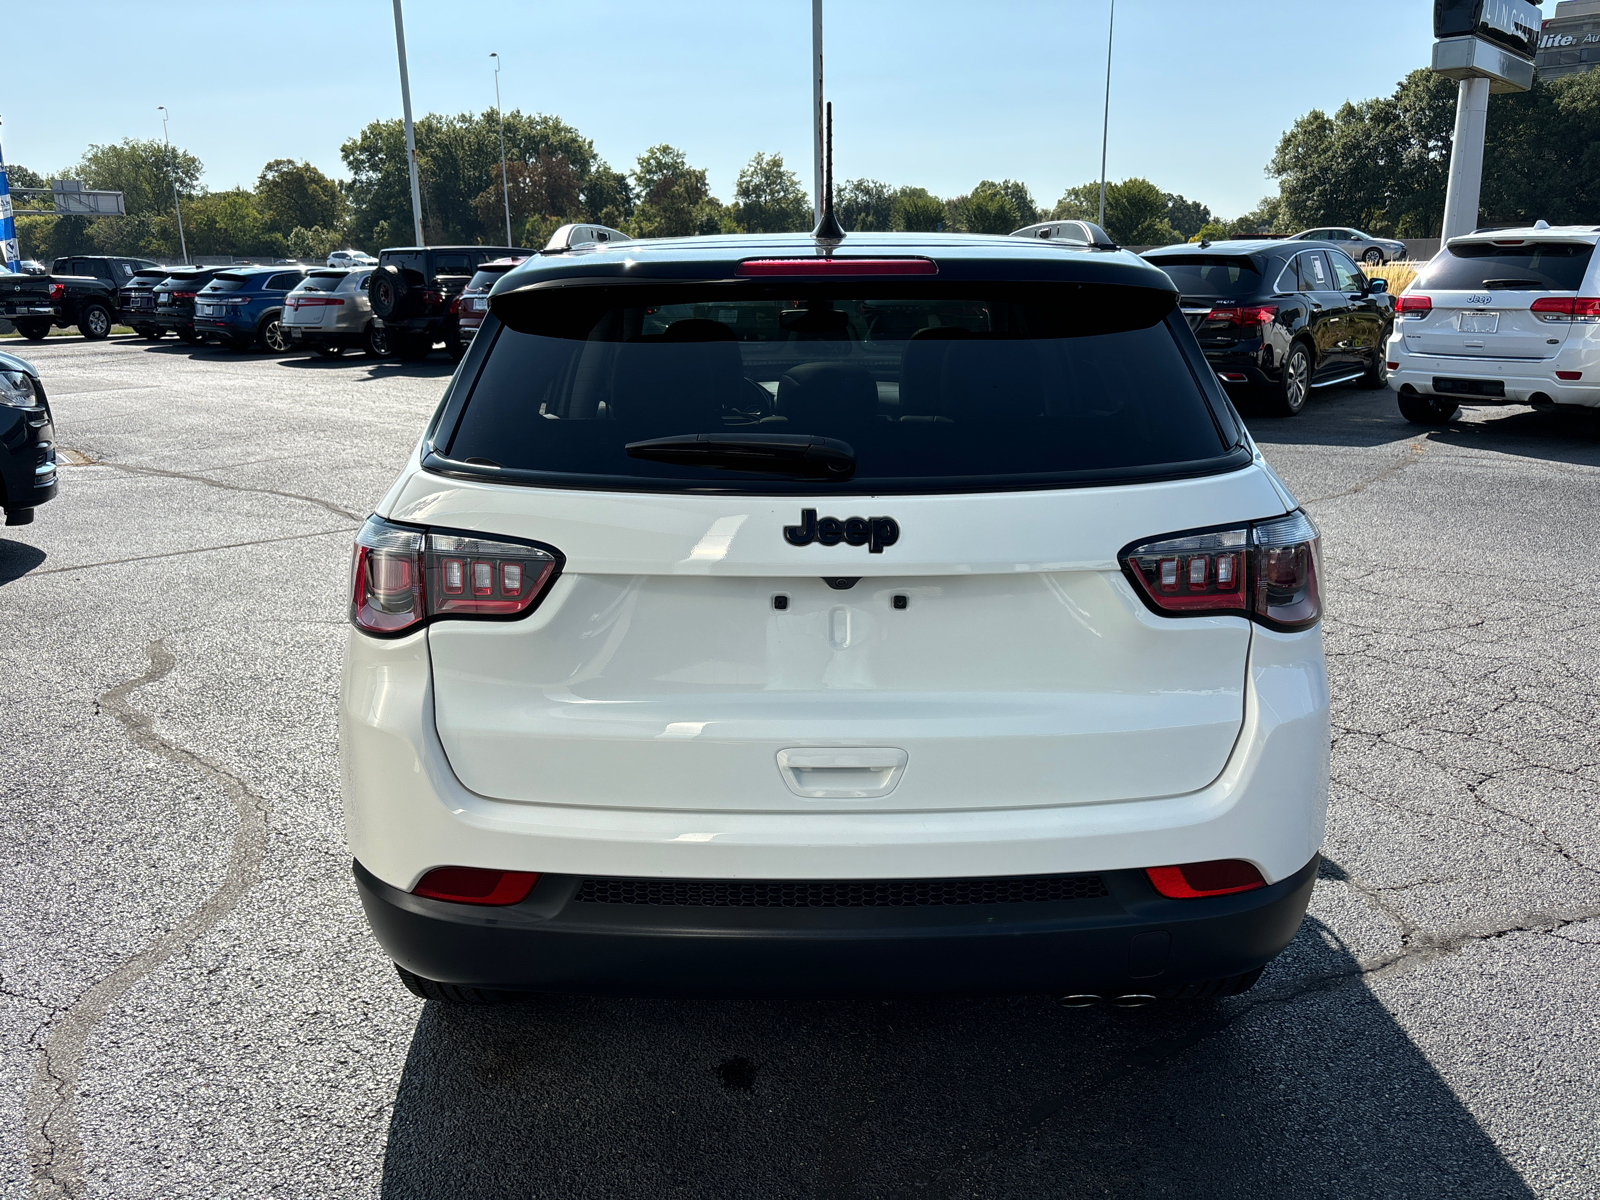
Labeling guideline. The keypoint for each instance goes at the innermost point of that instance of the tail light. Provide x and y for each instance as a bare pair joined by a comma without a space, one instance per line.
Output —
182,295
1269,571
1220,877
313,301
475,885
1583,310
402,576
1414,307
455,306
432,297
57,291
835,265
1245,316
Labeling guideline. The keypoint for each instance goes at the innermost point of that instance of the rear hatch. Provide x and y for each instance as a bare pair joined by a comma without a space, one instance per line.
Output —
314,302
1208,282
1486,299
26,295
947,627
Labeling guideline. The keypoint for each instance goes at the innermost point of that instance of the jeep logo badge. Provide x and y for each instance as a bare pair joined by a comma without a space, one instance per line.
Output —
873,532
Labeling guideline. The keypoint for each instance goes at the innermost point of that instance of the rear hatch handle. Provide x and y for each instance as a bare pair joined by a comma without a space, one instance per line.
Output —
841,772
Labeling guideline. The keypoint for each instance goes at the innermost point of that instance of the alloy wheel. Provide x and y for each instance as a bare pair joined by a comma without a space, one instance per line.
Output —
272,337
1296,379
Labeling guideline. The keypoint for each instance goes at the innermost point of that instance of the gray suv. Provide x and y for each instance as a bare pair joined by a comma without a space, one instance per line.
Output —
330,313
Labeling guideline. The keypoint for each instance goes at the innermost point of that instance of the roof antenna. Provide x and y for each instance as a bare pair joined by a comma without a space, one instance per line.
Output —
828,229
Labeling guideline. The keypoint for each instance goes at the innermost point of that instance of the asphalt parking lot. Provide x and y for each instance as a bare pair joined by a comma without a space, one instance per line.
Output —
190,1004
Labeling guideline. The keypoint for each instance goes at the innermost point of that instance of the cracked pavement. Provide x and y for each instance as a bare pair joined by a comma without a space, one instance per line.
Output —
190,1004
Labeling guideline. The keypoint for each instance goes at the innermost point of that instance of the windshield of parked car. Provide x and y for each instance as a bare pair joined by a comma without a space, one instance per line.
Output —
931,392
1550,266
1211,276
228,283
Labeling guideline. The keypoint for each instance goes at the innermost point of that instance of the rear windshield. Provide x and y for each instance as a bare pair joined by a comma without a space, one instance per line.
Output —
973,392
324,281
1537,266
1211,275
227,283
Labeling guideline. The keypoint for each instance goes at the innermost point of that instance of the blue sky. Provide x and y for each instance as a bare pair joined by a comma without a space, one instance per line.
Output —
928,92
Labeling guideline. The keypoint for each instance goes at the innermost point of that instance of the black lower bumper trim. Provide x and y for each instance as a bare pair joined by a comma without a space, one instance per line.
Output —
1132,940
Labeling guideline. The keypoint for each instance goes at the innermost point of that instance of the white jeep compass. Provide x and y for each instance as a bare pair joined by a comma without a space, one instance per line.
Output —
771,616
1510,316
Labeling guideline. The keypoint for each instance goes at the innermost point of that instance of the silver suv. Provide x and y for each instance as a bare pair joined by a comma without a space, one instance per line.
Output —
330,313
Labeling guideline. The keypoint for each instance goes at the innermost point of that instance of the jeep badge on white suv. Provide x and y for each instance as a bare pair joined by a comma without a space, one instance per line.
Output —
769,615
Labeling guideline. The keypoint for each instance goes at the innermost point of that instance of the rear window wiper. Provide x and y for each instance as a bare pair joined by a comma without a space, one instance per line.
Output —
1500,285
801,454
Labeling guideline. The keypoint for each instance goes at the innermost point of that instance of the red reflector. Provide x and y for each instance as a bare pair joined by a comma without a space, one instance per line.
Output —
837,266
1233,377
1569,375
474,885
1393,366
1220,877
1421,305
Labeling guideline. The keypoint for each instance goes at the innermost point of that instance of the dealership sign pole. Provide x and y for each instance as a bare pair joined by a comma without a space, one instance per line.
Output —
8,224
411,136
1488,45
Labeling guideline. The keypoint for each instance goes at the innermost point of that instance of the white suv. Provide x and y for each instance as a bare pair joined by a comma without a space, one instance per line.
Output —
758,616
1506,317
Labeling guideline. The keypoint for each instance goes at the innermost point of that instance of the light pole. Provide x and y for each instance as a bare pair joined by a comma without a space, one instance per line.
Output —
183,246
1105,128
505,187
411,135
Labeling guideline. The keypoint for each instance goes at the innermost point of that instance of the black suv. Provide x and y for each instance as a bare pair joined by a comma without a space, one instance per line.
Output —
1278,319
415,292
174,301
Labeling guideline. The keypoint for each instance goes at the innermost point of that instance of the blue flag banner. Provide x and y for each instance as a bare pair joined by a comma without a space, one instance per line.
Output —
8,224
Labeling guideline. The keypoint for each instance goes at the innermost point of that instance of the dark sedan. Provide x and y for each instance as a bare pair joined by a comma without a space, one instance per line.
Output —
27,441
1279,319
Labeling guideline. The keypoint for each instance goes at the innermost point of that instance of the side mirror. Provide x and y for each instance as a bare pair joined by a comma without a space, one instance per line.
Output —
1378,287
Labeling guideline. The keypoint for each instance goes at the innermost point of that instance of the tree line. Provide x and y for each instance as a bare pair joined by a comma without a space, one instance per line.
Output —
1378,164
553,176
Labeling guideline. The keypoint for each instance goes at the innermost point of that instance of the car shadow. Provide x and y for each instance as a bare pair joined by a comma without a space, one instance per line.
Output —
1365,418
17,559
1304,1086
436,367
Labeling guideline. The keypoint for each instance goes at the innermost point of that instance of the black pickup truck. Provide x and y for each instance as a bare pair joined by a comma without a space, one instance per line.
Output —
415,291
80,290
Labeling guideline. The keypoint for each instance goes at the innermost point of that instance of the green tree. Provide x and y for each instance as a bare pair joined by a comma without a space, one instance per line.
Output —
1136,214
768,198
314,244
18,176
548,187
674,198
1021,199
144,171
1187,217
864,204
1211,231
916,210
1262,219
230,222
985,211
293,195
1081,203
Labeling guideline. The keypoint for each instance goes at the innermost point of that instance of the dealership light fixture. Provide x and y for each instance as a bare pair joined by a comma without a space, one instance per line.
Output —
505,188
172,170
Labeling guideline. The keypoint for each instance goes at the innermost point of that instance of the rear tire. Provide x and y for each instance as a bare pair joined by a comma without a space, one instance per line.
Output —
94,322
190,337
1427,410
34,331
1294,383
270,334
330,351
150,333
453,345
379,342
450,993
1377,375
1373,256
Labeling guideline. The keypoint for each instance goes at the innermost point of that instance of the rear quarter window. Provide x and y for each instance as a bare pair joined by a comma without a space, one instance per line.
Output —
977,390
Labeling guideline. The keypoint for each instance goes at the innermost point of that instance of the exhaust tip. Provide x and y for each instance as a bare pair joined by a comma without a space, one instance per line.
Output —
1079,1000
1133,1000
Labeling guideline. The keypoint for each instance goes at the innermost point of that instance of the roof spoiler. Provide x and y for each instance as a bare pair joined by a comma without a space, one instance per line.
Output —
570,237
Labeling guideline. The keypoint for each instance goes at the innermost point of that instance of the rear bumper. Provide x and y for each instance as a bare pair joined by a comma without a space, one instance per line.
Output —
1252,365
1132,940
1522,380
316,335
